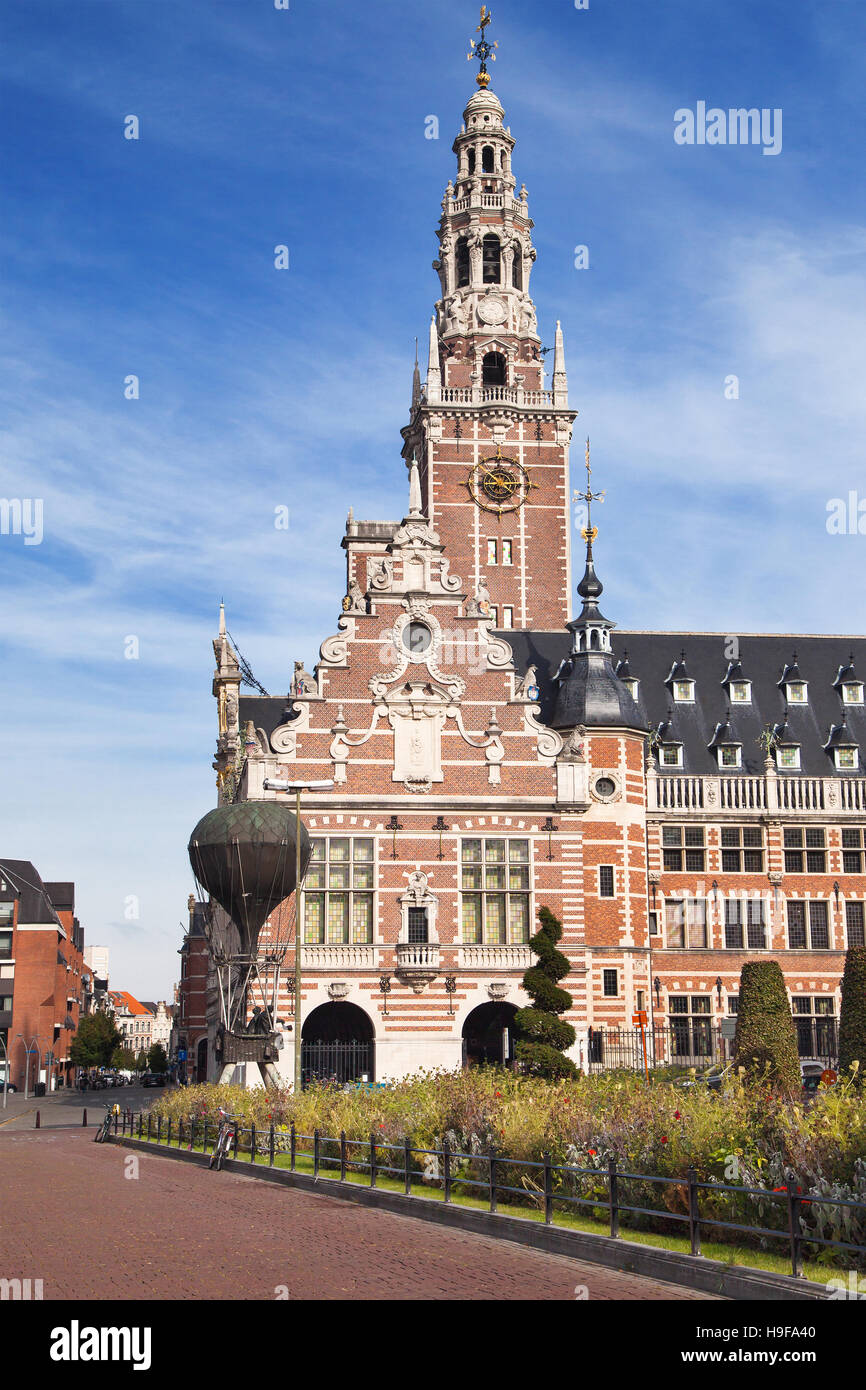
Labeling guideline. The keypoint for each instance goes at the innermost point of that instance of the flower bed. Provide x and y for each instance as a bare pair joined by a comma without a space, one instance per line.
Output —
744,1135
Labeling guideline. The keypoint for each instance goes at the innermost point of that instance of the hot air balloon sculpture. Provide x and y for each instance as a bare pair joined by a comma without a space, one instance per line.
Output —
243,856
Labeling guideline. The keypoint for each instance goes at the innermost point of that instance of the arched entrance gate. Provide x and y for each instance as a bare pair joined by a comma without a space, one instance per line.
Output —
488,1035
337,1044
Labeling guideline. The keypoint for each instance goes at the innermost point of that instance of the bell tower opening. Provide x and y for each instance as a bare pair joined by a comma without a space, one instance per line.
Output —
494,370
462,262
492,260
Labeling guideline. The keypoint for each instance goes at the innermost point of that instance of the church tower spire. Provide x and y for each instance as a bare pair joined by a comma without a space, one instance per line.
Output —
491,441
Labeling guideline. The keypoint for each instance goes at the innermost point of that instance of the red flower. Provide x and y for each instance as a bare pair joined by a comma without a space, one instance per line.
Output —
664,1138
381,1126
498,1093
592,1153
677,1115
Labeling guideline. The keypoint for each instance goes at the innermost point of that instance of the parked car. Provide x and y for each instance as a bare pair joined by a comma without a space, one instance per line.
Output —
10,1085
153,1078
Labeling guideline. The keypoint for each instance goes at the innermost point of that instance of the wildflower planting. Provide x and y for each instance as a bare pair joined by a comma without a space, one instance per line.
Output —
746,1136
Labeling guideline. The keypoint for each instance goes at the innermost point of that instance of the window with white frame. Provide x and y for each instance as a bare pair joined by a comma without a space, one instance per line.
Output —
686,923
507,619
796,692
742,849
808,926
632,685
815,1024
495,890
855,924
683,847
852,693
508,552
847,758
491,552
745,924
730,755
338,891
788,758
691,1025
684,692
740,692
671,754
852,849
805,849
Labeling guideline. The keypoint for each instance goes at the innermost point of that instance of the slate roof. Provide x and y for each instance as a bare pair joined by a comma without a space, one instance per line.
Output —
763,659
62,895
24,883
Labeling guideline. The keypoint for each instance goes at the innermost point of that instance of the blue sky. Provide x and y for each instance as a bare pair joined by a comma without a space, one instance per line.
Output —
262,388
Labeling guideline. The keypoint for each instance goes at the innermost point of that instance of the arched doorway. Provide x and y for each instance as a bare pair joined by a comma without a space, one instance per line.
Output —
337,1044
488,1035
201,1061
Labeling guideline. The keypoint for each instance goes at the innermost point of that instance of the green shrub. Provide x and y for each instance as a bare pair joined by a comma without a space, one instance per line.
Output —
766,1043
542,1036
852,1021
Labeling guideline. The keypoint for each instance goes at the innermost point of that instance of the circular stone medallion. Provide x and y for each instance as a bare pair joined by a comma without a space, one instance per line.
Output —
492,310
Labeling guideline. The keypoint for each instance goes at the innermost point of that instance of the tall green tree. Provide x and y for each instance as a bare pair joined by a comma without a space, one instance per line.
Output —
852,1020
95,1041
542,1034
766,1041
157,1058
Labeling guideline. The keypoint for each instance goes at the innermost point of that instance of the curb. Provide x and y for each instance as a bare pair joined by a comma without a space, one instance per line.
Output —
694,1271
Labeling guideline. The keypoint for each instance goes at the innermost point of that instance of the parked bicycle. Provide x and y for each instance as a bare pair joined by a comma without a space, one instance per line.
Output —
104,1128
228,1128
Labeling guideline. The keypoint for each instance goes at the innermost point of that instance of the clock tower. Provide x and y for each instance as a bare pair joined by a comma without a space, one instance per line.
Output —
490,436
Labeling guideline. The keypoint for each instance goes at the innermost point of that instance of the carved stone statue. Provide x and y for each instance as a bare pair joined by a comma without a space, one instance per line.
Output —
355,602
530,679
302,682
479,606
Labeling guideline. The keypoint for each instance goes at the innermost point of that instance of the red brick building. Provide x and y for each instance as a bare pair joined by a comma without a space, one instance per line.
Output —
194,1006
44,982
491,755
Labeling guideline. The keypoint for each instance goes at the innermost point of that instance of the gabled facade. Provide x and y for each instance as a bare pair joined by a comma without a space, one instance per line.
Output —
490,755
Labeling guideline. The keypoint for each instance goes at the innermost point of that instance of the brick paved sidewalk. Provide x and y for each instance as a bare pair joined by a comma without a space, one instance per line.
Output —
182,1232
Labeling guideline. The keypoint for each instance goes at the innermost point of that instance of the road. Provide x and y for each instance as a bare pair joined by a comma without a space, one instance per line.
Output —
170,1230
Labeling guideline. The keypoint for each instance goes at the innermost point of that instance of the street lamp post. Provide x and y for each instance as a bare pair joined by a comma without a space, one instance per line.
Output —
297,788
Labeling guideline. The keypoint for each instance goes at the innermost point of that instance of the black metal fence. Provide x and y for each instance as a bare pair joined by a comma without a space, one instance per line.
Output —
787,1218
694,1042
336,1061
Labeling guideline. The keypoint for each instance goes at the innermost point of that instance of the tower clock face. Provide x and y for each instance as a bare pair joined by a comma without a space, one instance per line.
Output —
499,484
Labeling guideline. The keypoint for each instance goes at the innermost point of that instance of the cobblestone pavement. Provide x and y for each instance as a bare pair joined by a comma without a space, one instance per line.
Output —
182,1232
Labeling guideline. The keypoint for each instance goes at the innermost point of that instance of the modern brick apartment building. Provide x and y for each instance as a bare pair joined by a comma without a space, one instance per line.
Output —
45,985
681,802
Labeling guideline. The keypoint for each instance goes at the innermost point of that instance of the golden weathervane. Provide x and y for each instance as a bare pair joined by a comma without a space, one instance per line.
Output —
483,49
589,532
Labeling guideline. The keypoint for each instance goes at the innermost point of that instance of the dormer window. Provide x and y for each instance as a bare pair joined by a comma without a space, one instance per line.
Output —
852,693
684,692
740,692
788,758
847,759
730,755
671,754
796,692
632,685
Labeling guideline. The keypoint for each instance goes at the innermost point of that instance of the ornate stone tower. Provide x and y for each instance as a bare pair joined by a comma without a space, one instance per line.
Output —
491,441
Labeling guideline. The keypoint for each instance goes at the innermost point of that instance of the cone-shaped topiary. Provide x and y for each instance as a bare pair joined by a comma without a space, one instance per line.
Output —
542,1035
852,1020
766,1043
